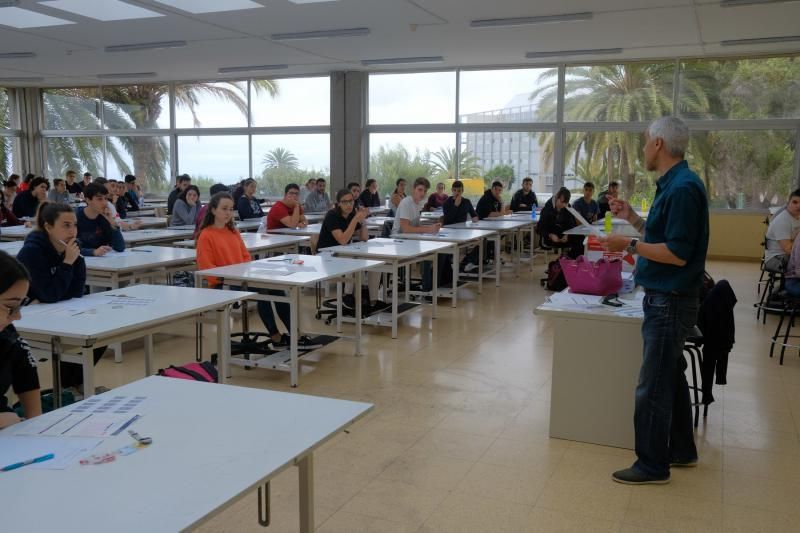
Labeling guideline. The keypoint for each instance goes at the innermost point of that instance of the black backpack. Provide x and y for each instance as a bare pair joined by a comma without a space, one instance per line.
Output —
555,280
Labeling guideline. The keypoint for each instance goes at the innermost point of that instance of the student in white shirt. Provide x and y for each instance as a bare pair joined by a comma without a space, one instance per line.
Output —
407,218
781,233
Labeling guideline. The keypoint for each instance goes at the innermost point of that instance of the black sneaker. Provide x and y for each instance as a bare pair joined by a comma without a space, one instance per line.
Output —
680,463
629,476
381,306
282,343
349,301
307,343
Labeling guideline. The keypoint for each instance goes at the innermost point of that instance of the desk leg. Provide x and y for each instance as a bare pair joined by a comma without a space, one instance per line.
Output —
408,282
435,284
117,346
394,299
339,293
56,362
456,269
306,479
497,260
294,330
87,360
224,342
148,355
358,311
518,252
533,230
480,266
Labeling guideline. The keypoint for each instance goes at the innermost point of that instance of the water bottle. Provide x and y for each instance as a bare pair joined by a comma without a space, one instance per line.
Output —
608,224
533,213
386,203
644,205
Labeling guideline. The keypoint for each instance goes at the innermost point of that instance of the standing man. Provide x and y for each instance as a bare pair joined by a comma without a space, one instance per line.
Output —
72,186
670,267
606,196
181,183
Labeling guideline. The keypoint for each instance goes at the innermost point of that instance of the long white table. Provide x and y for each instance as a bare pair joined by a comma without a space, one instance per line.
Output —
395,253
193,469
308,231
597,354
505,226
265,274
72,328
152,236
142,263
260,243
145,222
14,233
461,239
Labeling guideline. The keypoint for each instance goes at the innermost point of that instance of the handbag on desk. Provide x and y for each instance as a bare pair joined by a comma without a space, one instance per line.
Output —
600,278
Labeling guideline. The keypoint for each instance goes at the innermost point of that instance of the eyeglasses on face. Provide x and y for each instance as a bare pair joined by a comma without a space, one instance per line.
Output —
13,310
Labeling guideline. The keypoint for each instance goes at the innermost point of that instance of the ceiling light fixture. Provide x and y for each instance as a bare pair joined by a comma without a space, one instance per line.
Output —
761,40
229,70
19,18
145,46
311,1
562,53
322,34
523,21
126,75
21,79
402,60
199,7
737,3
105,11
17,55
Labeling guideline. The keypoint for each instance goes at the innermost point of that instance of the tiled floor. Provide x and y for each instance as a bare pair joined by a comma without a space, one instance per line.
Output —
458,437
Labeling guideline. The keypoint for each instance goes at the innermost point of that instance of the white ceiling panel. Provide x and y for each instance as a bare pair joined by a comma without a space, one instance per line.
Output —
106,10
748,22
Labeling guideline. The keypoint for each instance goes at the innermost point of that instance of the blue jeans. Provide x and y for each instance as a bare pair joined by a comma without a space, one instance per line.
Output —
266,313
663,414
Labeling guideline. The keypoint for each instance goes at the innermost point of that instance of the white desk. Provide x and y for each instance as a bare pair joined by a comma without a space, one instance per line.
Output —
71,335
308,231
152,236
512,227
597,354
259,243
622,229
192,471
142,263
461,239
396,253
145,222
255,275
14,233
11,247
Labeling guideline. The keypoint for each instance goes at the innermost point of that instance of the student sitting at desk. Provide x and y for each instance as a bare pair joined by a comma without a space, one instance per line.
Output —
458,209
407,220
26,202
9,192
133,193
355,189
248,206
586,206
287,213
98,232
186,206
57,271
369,196
7,217
437,199
340,225
59,192
318,201
552,225
490,204
17,363
398,195
524,199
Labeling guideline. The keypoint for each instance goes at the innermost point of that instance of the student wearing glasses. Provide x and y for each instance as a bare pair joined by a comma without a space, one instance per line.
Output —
17,364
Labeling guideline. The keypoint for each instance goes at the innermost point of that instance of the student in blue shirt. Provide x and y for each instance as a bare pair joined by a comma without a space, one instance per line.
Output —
98,232
248,205
132,195
585,205
670,267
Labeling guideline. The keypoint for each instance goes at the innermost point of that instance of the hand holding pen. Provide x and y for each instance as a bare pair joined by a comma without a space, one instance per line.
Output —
72,250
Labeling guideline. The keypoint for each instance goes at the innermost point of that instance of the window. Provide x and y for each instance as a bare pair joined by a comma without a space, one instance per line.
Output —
756,88
279,160
211,104
147,158
213,159
503,96
410,155
81,154
631,92
136,107
75,108
418,98
10,156
291,102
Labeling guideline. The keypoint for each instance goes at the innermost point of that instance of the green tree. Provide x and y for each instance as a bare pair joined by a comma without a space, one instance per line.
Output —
388,164
444,164
504,173
280,159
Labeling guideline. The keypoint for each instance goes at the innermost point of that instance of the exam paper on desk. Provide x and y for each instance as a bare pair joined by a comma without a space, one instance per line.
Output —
17,448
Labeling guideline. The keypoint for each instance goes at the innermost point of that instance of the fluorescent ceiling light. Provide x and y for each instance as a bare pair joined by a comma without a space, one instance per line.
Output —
402,60
17,55
761,40
210,6
522,21
737,3
106,10
21,79
127,75
145,46
228,70
22,18
310,1
561,53
322,34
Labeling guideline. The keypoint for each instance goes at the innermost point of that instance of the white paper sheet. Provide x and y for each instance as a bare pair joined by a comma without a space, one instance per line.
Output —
583,222
74,306
61,424
15,449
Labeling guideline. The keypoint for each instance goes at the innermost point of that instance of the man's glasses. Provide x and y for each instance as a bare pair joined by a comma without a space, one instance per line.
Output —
15,309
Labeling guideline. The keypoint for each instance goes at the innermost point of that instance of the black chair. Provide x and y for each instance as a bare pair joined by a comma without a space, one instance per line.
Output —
693,348
788,313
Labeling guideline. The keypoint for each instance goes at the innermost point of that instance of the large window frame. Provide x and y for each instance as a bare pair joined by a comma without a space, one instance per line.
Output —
13,133
173,133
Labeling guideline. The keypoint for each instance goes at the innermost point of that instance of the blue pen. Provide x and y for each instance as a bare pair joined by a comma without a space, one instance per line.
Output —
28,462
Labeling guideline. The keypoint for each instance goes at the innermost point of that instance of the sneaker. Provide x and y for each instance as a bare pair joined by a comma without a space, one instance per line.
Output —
101,389
679,463
469,267
629,476
349,301
307,343
282,343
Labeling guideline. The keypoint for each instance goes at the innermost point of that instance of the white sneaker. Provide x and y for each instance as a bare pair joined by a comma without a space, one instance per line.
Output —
469,267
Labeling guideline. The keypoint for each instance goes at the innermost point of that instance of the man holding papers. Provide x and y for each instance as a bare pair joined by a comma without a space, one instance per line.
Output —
670,268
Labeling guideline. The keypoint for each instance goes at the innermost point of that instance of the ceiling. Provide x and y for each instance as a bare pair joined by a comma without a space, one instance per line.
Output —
73,54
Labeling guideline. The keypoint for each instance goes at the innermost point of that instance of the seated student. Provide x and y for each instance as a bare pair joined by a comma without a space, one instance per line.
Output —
458,209
248,205
57,270
586,206
781,233
398,195
437,199
341,224
407,220
355,189
113,201
605,197
133,193
490,204
182,182
187,204
201,213
72,186
369,196
9,192
26,183
524,199
311,186
87,179
7,217
552,229
287,213
318,200
98,232
17,363
116,195
27,202
58,193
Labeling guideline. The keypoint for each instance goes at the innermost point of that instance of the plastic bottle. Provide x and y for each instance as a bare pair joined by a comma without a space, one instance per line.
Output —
386,203
644,205
607,223
533,213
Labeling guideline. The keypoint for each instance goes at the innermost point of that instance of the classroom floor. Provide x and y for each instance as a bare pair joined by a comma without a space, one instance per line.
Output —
458,440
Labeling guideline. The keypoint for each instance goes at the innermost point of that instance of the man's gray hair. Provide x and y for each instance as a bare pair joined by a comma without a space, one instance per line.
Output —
673,131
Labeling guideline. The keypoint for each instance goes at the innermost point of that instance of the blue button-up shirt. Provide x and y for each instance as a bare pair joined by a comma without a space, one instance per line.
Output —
678,218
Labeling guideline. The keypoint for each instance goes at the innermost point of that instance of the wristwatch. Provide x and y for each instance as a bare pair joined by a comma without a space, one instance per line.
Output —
631,248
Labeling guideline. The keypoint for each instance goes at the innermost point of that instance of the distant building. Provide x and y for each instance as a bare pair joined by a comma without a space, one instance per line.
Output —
520,150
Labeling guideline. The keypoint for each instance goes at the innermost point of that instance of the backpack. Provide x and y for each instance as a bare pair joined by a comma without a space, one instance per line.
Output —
555,280
202,371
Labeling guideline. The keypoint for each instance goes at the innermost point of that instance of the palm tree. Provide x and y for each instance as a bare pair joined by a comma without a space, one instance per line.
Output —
280,159
444,163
